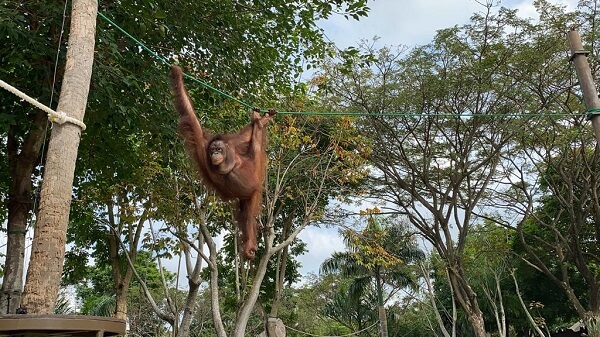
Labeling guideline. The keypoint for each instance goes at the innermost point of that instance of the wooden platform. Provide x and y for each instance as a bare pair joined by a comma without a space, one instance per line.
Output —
60,325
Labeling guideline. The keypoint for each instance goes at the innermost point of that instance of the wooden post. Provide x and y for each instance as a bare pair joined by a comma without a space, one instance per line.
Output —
586,81
590,97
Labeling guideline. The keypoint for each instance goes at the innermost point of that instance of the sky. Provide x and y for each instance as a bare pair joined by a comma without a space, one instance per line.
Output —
411,23
395,22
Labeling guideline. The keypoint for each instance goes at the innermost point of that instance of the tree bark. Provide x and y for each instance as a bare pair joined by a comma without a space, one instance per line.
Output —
48,248
194,281
122,275
20,202
383,328
121,279
281,266
248,305
466,297
592,322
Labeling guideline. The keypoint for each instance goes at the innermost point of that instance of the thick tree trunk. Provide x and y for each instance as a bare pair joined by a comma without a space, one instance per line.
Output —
48,248
121,300
120,284
20,201
121,278
592,322
12,282
478,325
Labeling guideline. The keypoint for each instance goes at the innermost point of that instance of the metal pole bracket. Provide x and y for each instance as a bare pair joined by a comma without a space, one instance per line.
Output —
578,52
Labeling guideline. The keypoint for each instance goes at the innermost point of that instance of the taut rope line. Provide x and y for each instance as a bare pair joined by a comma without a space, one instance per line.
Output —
54,116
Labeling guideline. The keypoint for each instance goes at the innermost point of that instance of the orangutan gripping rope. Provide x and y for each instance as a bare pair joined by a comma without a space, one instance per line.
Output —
232,165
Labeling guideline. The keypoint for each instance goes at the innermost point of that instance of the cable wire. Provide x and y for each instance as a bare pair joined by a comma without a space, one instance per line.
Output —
309,113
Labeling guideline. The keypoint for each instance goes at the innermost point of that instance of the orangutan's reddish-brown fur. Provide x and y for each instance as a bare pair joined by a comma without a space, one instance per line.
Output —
232,165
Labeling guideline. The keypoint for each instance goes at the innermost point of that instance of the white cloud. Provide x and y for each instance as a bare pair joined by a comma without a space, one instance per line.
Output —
413,23
321,243
398,22
526,8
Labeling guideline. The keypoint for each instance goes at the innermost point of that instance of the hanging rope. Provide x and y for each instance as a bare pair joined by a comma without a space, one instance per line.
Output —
54,116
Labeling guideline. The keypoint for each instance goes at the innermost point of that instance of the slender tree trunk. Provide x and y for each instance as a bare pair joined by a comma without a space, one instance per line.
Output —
20,202
122,275
213,281
121,279
524,306
261,271
383,331
383,328
271,322
248,306
190,308
432,301
48,248
467,299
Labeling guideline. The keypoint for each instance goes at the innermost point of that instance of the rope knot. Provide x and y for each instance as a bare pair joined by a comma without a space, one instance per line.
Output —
60,117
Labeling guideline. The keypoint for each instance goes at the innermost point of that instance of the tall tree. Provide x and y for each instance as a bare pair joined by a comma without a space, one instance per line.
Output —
437,167
48,248
311,163
23,127
378,257
560,233
21,166
129,100
553,169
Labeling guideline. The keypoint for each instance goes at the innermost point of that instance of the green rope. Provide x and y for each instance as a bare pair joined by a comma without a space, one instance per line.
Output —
219,91
165,61
416,114
593,112
590,112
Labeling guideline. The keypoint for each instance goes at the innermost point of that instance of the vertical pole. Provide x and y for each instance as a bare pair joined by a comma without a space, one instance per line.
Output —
272,327
590,97
48,247
586,81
